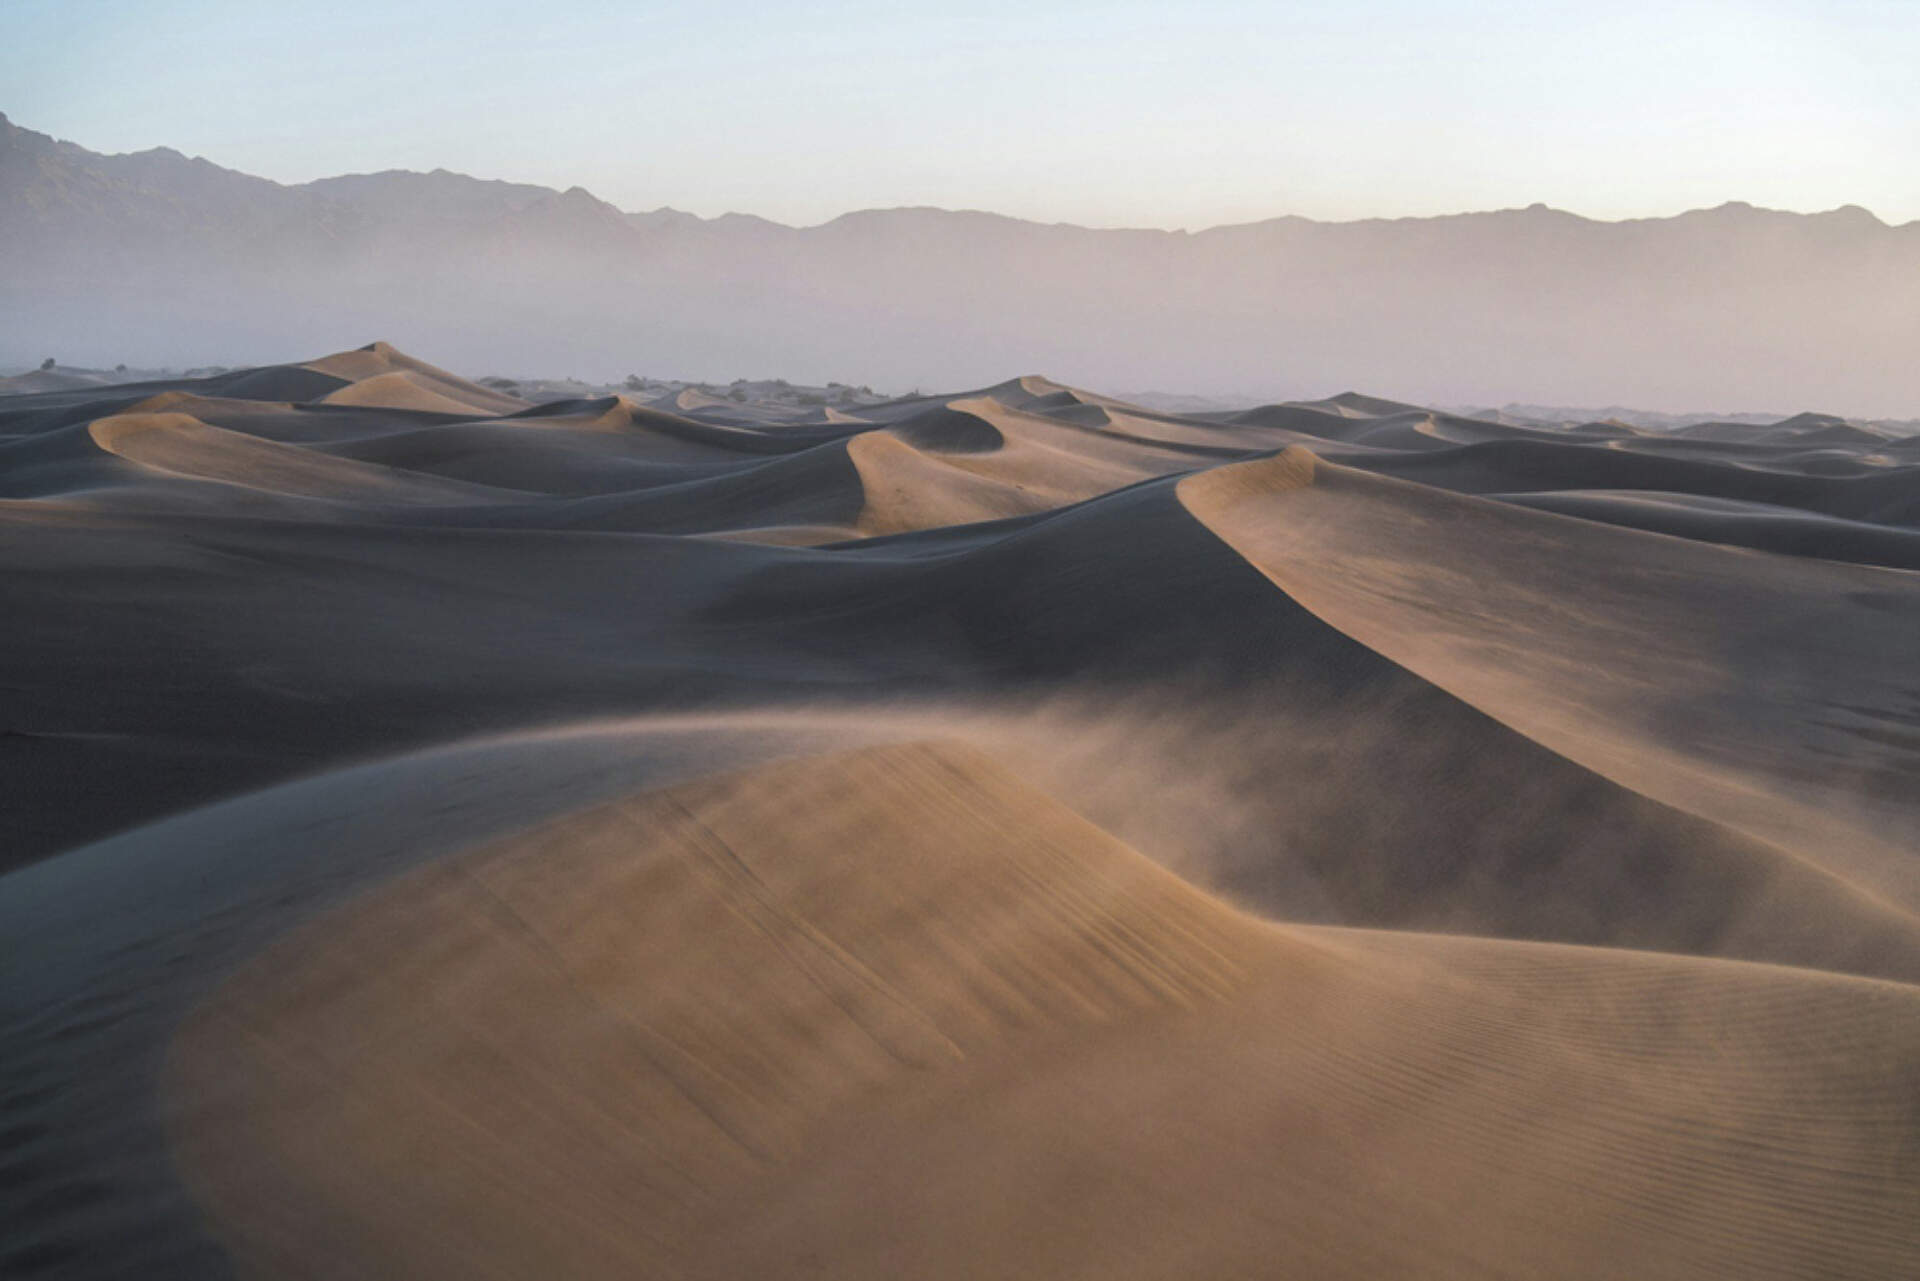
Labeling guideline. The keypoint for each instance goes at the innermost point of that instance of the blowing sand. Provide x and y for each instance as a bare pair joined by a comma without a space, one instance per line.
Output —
1007,834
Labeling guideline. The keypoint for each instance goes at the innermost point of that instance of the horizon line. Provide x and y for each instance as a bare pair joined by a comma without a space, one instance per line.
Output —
1537,207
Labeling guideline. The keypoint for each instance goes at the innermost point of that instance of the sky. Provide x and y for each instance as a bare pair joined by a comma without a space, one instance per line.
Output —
1103,114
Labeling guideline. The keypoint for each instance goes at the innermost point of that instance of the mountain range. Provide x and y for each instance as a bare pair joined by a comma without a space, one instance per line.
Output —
159,258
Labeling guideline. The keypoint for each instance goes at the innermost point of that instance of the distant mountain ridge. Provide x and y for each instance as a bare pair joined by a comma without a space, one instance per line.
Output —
158,258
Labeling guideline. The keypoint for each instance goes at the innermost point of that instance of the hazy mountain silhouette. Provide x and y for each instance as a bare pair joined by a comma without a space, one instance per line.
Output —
156,258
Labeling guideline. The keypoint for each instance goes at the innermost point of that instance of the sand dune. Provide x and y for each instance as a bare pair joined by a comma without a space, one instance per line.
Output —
1008,833
1595,642
719,1030
180,444
379,375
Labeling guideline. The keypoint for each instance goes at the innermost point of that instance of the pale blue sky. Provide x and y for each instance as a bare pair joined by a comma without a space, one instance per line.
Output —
1108,114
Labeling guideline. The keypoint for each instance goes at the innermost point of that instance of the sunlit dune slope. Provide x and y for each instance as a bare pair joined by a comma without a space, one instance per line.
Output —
895,1014
1752,690
379,375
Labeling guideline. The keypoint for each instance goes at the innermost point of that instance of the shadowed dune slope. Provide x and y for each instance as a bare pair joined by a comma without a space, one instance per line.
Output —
1007,833
1761,526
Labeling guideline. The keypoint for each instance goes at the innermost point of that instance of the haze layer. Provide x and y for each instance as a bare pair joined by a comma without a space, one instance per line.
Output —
155,259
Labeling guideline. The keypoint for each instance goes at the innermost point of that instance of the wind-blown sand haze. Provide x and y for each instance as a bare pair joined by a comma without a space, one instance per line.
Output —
1014,832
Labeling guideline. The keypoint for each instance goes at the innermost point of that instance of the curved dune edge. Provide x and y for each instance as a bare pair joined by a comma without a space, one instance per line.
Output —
402,389
892,1013
182,445
1636,655
905,489
382,375
977,460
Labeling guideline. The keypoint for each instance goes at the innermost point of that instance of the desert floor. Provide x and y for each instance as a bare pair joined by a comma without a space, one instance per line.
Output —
1003,834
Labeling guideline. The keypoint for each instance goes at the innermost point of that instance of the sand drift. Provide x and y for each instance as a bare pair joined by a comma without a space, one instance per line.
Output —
1013,833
